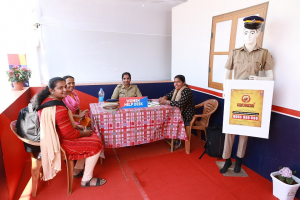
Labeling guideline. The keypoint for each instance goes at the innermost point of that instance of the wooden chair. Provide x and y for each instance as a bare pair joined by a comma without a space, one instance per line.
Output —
36,164
210,106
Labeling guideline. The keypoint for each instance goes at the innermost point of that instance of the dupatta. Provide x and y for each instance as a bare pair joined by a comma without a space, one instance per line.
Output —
72,104
177,94
50,146
49,142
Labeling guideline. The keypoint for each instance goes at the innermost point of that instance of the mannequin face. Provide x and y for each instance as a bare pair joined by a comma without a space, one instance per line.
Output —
250,35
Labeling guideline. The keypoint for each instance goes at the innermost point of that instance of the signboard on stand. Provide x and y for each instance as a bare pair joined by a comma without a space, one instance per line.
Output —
133,102
247,107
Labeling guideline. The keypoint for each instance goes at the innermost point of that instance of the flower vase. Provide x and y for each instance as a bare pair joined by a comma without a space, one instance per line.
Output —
282,190
18,85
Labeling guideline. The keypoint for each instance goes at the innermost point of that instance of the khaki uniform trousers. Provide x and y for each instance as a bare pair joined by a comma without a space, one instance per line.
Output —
229,139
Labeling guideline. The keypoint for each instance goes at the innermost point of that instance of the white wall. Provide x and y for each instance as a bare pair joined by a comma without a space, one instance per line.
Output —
191,31
97,40
17,36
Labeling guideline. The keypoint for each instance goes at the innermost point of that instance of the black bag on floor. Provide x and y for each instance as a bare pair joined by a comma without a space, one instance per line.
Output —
215,141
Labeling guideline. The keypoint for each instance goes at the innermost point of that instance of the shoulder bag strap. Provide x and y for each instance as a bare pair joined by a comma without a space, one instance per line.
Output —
51,103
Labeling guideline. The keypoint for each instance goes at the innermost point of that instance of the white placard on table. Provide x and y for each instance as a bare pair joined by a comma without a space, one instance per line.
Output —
247,107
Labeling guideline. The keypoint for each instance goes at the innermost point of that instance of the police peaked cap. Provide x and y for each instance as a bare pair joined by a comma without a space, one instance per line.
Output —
253,22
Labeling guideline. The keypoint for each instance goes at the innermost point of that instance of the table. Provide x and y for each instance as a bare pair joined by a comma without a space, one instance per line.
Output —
134,126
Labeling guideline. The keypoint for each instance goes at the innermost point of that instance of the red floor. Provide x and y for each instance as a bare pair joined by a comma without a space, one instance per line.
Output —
150,171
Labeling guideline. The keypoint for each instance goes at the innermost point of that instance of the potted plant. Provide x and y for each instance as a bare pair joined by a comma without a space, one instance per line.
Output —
285,184
17,75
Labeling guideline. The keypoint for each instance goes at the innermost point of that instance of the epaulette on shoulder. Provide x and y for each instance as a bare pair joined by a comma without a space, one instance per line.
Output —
120,85
237,49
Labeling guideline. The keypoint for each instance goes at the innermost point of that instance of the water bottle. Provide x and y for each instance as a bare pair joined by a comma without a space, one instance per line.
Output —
101,96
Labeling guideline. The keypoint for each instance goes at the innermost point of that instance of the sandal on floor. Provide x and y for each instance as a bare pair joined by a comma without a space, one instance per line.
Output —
80,174
176,147
87,184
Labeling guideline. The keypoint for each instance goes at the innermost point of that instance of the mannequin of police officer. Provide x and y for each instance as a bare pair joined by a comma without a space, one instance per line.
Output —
246,62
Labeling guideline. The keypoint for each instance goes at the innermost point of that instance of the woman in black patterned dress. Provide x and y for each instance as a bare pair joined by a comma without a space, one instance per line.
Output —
182,97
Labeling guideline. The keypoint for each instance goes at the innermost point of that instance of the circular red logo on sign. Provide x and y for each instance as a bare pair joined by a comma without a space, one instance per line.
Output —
246,98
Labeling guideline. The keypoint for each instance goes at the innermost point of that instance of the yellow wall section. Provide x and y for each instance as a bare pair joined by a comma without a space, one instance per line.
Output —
22,58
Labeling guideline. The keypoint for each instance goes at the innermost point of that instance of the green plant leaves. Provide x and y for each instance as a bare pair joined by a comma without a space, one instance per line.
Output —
18,74
280,168
281,178
294,172
289,180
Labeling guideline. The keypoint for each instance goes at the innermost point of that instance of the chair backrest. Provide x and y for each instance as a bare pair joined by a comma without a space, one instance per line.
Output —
14,130
209,107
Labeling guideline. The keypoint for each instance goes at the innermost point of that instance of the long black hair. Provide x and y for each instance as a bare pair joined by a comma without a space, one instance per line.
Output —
43,94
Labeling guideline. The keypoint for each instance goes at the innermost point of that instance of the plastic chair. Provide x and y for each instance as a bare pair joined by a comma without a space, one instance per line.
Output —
210,106
36,164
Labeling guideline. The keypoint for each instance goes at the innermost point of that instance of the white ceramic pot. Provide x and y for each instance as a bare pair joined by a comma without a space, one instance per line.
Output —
282,190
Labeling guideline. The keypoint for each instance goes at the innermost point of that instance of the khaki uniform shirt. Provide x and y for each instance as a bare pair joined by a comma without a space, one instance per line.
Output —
121,91
246,63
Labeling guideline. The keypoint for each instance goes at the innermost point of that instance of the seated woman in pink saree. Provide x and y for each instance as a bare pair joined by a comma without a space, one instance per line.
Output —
72,102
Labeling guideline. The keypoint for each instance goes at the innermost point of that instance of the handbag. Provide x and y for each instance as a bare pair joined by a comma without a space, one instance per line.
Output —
261,72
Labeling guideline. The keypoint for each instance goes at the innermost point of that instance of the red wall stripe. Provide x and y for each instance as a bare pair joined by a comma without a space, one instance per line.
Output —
218,94
274,108
286,111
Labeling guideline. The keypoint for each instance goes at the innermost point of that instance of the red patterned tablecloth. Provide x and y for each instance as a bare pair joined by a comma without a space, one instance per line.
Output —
133,126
